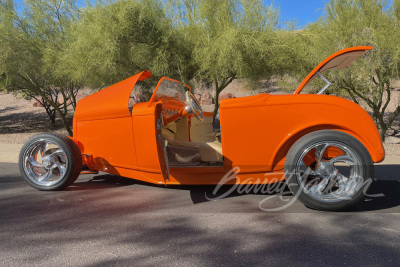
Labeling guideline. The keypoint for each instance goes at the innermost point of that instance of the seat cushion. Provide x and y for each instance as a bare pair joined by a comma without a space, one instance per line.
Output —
211,152
181,143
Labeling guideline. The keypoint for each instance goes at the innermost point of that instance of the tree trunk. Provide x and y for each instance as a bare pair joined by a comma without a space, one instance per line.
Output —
375,101
65,122
54,104
216,103
218,90
51,113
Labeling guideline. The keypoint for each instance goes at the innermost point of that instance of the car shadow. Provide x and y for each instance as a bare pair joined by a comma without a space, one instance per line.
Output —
103,181
383,194
389,172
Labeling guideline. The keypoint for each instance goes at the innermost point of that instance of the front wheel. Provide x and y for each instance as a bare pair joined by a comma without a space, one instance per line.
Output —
329,170
50,162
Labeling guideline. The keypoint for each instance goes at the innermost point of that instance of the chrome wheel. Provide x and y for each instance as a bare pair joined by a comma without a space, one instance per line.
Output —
329,171
45,162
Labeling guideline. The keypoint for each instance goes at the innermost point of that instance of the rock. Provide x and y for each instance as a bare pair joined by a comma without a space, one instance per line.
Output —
226,96
207,99
390,132
392,140
136,98
36,104
397,135
198,97
140,98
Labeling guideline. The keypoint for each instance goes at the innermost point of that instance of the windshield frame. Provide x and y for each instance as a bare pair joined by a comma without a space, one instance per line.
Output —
153,97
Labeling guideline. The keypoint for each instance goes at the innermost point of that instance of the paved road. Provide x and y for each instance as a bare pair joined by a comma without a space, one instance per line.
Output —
109,220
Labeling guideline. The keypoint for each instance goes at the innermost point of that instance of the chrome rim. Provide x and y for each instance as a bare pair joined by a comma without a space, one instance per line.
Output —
329,178
45,162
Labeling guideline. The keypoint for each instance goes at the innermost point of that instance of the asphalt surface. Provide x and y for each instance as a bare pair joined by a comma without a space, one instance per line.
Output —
110,220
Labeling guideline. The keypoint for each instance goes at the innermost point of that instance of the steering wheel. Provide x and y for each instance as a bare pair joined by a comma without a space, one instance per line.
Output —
193,106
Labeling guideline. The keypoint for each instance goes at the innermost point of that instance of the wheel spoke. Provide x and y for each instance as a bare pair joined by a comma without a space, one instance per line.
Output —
344,158
307,169
322,186
34,163
320,150
341,181
57,152
60,167
45,178
305,175
43,148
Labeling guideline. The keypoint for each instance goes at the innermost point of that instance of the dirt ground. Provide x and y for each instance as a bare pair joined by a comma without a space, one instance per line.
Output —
20,120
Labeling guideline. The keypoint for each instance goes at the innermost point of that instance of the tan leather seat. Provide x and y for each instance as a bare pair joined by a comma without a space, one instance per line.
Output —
209,152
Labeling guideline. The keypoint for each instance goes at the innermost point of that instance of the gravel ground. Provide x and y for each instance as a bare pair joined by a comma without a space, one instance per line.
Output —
19,120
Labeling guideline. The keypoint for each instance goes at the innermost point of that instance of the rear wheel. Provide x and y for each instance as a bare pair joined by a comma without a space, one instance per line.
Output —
329,170
50,162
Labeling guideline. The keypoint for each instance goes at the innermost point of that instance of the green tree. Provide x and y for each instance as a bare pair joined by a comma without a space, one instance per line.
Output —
231,39
29,47
115,40
348,23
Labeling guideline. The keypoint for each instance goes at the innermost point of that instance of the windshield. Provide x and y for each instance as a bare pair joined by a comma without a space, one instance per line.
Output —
170,88
166,88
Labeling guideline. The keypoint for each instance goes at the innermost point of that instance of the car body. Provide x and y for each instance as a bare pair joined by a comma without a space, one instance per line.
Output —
119,132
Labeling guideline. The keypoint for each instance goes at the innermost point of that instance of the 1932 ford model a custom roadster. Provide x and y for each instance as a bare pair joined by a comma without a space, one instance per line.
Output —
323,146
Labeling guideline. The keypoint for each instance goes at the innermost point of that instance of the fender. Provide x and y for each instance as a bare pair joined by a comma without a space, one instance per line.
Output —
275,122
364,129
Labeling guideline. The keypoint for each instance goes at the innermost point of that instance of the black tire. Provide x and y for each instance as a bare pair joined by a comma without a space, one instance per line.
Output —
295,157
70,151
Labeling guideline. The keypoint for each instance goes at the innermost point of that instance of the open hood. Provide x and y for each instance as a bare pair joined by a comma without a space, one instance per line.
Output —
339,60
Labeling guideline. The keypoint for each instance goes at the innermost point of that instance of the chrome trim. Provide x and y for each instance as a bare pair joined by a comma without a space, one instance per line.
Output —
328,83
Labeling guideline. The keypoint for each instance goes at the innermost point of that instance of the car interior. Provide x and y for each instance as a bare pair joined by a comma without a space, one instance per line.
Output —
188,139
194,145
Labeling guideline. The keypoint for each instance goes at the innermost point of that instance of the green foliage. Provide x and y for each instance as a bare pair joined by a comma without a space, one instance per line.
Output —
29,47
111,42
232,39
215,41
348,23
51,48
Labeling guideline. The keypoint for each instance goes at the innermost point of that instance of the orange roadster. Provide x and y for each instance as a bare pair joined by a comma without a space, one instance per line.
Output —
322,145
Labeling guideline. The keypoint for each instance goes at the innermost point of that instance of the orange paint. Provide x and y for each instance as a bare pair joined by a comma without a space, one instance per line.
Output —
257,131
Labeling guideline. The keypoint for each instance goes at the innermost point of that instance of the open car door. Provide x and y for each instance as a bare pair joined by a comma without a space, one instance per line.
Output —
161,145
341,59
172,92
